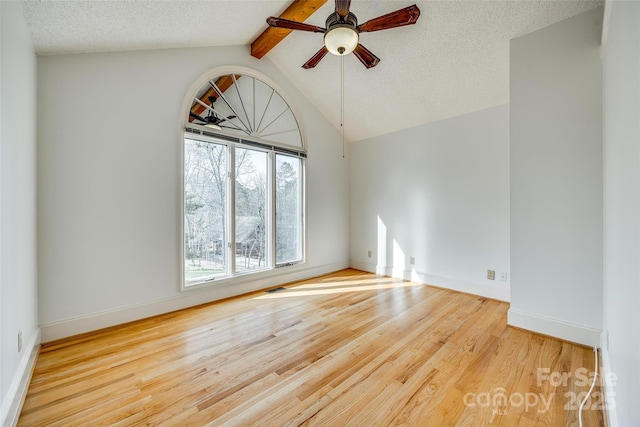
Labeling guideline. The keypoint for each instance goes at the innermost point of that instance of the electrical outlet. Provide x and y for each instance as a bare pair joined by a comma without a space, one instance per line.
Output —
412,260
369,254
503,276
491,274
19,341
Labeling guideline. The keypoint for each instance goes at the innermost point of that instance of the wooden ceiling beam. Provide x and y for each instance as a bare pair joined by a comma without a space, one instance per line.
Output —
298,10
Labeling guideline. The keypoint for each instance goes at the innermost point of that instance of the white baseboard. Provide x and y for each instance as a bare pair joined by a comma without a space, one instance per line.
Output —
555,328
366,266
95,321
498,291
609,392
12,404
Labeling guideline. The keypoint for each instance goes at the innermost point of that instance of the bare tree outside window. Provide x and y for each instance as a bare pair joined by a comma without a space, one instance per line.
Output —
205,183
288,210
251,209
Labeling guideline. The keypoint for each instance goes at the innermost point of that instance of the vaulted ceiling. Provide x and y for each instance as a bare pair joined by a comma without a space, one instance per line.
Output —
453,61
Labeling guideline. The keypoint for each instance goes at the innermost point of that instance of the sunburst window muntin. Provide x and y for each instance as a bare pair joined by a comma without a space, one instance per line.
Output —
246,105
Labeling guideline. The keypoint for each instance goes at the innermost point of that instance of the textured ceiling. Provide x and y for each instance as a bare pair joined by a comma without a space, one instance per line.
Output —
455,60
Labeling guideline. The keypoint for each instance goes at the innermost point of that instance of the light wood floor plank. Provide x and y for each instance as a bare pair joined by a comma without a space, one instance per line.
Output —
350,348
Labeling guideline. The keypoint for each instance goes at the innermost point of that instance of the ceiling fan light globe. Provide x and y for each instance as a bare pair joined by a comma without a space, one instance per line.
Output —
341,40
212,126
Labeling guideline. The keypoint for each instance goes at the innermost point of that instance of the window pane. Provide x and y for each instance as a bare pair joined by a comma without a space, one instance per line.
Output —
205,181
251,209
288,209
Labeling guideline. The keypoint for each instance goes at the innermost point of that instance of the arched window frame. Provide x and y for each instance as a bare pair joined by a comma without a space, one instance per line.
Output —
248,142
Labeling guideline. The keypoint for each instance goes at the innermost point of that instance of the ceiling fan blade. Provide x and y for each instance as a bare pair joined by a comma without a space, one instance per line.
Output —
365,56
407,16
293,25
315,58
197,117
342,7
223,119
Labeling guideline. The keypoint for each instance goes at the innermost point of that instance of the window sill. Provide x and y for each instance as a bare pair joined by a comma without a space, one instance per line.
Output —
243,277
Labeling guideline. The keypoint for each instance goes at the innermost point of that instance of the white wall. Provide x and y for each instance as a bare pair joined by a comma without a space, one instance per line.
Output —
621,56
109,186
437,192
18,287
556,180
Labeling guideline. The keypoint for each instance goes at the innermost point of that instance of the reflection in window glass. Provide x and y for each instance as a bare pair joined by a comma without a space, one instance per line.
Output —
288,209
246,106
251,209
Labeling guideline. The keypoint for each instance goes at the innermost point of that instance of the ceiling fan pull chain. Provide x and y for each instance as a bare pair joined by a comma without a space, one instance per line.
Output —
342,100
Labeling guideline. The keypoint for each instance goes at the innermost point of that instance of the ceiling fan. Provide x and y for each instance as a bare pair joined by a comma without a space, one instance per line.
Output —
341,36
213,119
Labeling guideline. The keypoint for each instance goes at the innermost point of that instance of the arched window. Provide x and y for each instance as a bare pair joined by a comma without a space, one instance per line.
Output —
243,180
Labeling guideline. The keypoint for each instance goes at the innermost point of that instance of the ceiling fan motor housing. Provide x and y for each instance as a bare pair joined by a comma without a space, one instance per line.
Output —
341,36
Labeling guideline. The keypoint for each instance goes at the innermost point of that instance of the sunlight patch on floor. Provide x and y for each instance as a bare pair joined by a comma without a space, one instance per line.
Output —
296,292
342,283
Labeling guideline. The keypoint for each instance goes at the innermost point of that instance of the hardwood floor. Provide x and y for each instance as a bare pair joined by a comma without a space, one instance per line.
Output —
349,348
